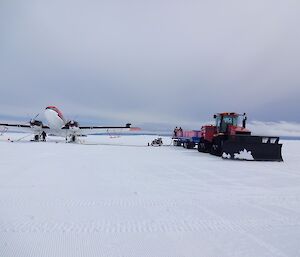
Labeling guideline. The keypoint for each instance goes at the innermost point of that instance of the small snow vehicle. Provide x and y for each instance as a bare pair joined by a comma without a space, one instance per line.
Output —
157,142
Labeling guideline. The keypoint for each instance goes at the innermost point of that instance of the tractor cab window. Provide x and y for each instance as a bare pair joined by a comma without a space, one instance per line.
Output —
230,120
218,121
222,123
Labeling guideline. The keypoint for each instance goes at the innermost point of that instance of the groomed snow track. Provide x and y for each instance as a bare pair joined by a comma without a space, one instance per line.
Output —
103,200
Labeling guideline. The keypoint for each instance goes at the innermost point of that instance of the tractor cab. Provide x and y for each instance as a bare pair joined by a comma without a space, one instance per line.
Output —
227,120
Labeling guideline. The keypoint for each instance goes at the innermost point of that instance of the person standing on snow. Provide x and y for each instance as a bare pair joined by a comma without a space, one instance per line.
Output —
175,132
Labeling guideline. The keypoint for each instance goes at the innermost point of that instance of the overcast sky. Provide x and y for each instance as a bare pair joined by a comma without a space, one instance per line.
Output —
155,63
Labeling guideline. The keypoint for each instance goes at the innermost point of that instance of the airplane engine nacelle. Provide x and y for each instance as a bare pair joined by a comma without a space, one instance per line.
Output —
36,124
72,125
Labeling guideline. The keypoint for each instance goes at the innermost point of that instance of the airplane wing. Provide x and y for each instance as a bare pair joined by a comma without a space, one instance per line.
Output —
23,127
14,125
87,130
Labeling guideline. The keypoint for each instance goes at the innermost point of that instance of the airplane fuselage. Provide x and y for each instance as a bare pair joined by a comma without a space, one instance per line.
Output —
55,118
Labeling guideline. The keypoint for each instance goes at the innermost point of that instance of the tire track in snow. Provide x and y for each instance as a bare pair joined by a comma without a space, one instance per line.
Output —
146,226
87,203
279,200
247,229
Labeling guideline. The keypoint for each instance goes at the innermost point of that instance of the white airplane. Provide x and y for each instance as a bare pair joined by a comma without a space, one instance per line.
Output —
59,126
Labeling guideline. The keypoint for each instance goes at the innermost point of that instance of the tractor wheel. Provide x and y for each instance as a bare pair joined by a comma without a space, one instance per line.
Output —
204,146
217,145
190,145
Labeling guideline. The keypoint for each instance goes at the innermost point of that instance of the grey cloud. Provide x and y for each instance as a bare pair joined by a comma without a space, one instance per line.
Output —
160,62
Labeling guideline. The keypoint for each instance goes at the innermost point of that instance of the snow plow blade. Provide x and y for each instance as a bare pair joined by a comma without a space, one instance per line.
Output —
254,148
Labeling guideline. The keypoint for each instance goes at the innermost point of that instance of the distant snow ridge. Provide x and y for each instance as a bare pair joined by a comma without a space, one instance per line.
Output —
244,155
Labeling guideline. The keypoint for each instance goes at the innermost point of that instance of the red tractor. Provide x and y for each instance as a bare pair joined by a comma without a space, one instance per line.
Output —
230,139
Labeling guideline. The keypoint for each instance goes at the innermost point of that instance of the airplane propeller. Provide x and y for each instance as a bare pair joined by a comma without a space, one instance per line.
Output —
34,122
33,119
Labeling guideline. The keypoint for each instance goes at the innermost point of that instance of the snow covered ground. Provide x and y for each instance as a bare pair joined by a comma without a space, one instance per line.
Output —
119,197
